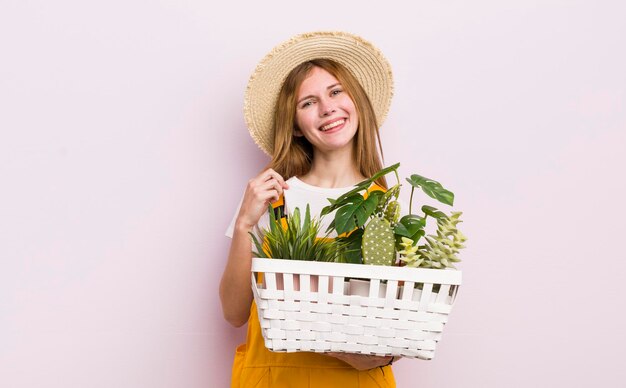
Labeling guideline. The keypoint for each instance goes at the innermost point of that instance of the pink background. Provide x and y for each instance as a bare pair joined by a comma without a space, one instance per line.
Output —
123,154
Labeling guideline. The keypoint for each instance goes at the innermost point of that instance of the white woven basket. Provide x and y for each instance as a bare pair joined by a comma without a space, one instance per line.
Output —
320,307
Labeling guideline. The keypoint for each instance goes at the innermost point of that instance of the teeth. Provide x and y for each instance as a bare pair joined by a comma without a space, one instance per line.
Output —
332,125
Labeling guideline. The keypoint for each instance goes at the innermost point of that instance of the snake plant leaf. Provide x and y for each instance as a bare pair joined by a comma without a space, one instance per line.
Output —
296,240
433,212
295,219
259,248
432,188
273,224
307,216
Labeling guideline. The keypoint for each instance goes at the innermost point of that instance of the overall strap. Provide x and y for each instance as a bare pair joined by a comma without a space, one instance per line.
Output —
279,205
279,210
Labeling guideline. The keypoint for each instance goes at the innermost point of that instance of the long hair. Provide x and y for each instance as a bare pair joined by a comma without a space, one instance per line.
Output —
293,155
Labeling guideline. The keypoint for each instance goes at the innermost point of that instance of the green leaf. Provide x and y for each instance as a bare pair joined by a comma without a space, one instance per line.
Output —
352,252
356,212
432,188
331,226
259,247
307,216
419,234
433,212
298,240
270,210
369,206
409,225
345,218
383,172
361,186
401,230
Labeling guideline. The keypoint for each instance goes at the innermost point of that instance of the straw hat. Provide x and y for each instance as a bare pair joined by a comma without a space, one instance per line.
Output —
366,63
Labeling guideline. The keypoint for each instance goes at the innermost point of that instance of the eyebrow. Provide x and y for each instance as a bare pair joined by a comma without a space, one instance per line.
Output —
310,95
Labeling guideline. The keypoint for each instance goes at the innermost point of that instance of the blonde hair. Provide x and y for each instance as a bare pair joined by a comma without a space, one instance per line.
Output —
293,155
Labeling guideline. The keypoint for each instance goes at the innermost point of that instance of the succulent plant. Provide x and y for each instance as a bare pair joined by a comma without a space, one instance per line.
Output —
374,221
378,245
408,254
440,250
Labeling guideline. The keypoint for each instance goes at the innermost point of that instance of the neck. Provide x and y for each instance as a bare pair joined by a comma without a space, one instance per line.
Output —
336,169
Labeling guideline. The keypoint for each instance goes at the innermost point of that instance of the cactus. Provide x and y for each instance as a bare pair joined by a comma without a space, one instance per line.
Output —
392,213
386,199
440,250
378,242
377,218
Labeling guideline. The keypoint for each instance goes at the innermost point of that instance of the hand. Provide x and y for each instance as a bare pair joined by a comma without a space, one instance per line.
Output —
267,187
362,361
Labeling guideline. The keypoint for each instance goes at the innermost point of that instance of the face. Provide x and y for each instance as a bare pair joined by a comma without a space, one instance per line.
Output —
325,113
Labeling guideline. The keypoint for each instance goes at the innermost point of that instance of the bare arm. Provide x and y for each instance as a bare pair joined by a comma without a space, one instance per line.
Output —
235,291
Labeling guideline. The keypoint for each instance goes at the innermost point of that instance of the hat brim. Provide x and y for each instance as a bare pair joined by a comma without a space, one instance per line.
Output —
366,63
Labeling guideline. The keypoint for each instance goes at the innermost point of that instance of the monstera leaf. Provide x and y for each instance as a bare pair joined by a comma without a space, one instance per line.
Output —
432,188
379,210
410,226
361,186
354,212
431,211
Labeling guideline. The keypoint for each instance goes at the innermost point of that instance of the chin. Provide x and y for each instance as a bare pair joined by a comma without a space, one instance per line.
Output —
338,145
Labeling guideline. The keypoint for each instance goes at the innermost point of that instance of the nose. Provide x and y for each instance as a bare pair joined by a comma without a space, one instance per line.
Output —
326,107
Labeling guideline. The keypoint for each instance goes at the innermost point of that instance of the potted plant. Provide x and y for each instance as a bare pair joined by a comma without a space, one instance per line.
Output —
405,294
378,236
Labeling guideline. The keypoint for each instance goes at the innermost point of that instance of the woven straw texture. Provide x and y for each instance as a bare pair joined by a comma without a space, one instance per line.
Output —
359,56
321,307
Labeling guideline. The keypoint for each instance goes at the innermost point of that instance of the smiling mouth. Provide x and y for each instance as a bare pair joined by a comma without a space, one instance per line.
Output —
332,125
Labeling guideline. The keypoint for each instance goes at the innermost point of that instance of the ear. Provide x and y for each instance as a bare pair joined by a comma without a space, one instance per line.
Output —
297,132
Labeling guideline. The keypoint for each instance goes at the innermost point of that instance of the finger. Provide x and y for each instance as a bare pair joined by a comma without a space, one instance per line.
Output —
271,196
263,191
259,184
267,194
270,173
273,184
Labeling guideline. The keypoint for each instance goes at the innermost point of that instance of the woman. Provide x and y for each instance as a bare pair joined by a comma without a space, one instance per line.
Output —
314,104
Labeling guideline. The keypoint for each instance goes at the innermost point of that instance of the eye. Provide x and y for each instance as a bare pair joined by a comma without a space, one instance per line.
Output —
335,92
306,104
